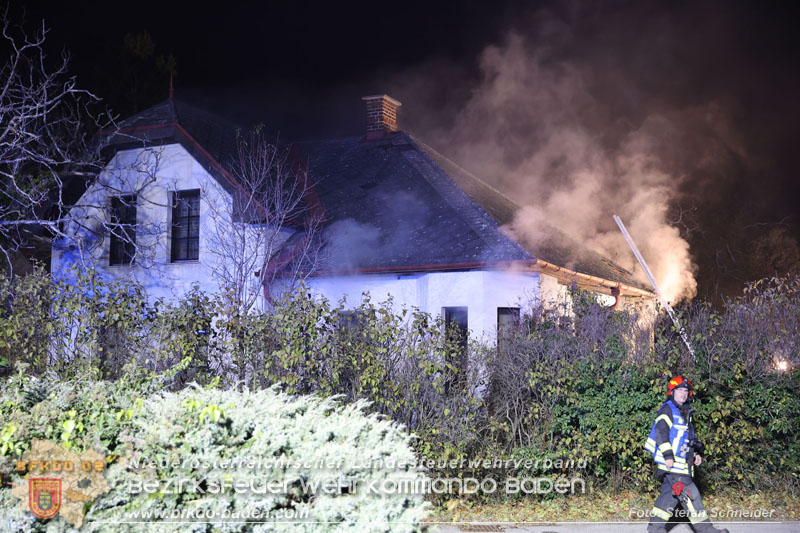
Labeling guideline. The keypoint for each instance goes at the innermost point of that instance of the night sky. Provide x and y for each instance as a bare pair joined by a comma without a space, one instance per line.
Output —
302,67
288,60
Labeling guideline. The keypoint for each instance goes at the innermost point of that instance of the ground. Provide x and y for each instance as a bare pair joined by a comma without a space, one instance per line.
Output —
617,513
617,527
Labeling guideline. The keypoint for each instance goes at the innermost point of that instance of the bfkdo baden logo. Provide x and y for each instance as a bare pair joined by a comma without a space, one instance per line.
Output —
59,481
44,496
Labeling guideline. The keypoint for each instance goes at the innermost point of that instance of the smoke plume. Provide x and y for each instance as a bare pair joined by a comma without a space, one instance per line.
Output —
576,137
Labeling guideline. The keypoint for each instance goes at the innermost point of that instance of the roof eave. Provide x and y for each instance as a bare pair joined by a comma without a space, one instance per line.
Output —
588,281
563,274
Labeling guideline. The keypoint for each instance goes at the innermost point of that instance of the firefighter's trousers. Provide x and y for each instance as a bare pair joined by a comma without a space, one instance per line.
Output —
691,503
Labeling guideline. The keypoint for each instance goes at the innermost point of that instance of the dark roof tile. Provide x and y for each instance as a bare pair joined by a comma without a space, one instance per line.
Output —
400,203
214,133
396,201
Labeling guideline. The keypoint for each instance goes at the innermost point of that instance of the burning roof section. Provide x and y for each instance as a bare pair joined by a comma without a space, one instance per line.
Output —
396,204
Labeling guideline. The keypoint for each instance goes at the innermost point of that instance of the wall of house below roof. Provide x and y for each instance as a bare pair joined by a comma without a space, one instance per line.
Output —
482,292
154,174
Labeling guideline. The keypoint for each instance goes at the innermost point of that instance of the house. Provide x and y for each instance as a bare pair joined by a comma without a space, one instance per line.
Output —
142,219
400,220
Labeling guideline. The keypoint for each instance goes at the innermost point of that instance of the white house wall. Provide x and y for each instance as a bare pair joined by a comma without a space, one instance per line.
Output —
482,292
555,295
174,169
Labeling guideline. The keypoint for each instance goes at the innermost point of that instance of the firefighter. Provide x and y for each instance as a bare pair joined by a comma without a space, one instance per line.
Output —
676,451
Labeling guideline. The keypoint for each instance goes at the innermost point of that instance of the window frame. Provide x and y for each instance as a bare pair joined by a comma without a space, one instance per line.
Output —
177,221
451,315
515,313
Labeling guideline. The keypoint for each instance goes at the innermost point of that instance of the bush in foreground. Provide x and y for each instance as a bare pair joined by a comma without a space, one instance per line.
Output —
579,382
200,434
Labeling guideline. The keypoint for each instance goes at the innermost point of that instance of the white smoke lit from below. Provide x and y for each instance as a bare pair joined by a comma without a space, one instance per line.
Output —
534,128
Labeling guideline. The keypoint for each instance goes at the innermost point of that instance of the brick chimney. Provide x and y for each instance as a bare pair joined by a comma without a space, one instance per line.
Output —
381,115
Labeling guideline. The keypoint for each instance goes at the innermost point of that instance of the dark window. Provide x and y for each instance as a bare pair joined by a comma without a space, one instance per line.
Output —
185,226
507,319
123,230
455,319
350,320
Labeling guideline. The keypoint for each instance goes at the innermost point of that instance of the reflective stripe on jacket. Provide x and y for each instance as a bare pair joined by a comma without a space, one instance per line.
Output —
679,434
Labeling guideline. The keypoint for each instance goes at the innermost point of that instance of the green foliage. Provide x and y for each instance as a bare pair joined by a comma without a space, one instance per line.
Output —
578,387
606,416
81,414
24,331
215,437
83,326
582,383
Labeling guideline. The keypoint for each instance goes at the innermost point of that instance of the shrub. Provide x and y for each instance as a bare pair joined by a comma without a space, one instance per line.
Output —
575,386
80,414
188,434
582,382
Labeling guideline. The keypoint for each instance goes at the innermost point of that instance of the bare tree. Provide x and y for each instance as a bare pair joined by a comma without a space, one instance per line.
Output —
267,236
122,204
50,148
43,136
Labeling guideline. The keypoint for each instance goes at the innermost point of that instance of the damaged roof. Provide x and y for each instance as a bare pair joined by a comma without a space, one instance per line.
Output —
396,203
386,204
553,245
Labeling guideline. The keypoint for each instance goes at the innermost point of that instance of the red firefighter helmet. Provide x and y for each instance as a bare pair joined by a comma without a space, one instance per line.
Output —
677,382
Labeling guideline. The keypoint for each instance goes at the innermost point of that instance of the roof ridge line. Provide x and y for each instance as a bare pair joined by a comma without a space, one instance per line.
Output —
327,140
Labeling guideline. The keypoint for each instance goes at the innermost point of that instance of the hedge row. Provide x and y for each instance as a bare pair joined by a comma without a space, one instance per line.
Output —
577,385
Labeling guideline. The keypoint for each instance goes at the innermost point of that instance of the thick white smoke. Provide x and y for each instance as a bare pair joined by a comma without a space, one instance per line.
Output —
546,132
